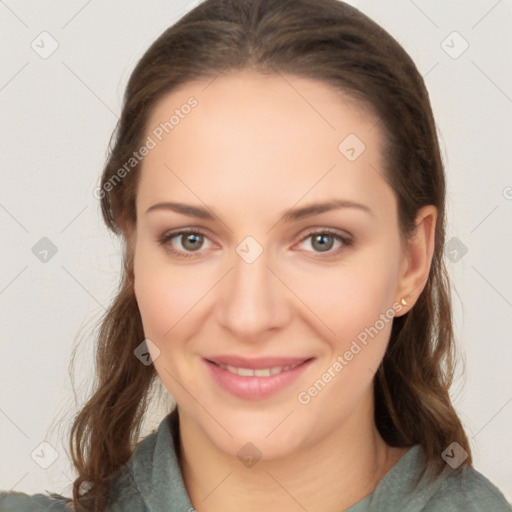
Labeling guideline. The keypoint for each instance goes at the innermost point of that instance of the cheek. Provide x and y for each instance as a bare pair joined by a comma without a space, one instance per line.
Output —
171,301
166,297
162,293
366,317
347,298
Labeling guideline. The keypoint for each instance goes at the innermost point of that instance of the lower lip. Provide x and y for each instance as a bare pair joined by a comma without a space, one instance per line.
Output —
255,388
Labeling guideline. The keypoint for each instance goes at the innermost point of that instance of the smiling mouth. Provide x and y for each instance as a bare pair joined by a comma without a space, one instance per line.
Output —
265,377
261,372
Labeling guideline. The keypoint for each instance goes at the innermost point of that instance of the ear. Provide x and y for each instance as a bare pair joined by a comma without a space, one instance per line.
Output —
417,258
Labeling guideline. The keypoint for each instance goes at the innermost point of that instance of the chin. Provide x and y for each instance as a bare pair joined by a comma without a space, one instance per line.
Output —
263,434
259,447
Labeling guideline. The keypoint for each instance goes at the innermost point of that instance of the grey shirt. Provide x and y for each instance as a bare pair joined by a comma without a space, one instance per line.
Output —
152,482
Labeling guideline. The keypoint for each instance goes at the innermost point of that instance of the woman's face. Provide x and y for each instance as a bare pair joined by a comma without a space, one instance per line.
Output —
266,281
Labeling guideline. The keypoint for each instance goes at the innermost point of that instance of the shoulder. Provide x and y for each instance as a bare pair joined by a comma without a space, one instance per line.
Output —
409,486
466,489
125,491
128,489
19,502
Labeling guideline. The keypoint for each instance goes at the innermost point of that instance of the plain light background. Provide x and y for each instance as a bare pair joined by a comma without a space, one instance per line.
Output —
58,114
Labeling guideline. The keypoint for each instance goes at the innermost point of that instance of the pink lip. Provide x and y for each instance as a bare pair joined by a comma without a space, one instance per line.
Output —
255,388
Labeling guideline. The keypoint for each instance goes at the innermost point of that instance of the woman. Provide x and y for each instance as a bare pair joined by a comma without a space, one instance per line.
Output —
277,181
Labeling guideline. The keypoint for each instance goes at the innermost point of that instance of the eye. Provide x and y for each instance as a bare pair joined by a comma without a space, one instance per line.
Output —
189,239
323,241
192,241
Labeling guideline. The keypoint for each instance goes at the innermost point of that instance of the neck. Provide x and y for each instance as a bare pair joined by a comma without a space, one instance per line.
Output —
329,476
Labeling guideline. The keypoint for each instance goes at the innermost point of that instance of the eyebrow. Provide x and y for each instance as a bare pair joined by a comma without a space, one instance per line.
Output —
290,215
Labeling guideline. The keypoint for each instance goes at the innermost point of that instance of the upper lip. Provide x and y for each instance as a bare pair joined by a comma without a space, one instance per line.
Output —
255,363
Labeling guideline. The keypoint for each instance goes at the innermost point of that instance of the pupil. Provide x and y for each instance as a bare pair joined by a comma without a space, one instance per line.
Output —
191,238
321,238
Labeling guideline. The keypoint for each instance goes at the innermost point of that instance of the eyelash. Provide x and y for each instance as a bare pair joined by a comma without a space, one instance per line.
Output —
167,237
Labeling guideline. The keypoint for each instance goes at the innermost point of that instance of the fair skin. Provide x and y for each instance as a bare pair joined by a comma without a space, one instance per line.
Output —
251,149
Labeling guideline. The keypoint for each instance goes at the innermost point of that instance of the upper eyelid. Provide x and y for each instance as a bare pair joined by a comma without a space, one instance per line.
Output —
329,231
185,231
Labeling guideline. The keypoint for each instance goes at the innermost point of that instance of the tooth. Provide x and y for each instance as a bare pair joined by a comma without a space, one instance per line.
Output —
245,372
263,372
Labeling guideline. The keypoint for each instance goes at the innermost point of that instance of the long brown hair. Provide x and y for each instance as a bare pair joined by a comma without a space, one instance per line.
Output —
329,41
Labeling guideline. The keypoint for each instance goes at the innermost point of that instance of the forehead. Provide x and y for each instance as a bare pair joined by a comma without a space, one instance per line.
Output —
250,137
299,105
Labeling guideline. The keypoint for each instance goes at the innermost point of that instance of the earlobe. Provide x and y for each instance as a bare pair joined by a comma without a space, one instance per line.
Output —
419,253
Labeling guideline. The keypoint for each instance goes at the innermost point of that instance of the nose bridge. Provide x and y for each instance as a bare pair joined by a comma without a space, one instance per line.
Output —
251,303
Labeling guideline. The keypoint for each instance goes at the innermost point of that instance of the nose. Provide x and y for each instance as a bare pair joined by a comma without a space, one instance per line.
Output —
253,302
